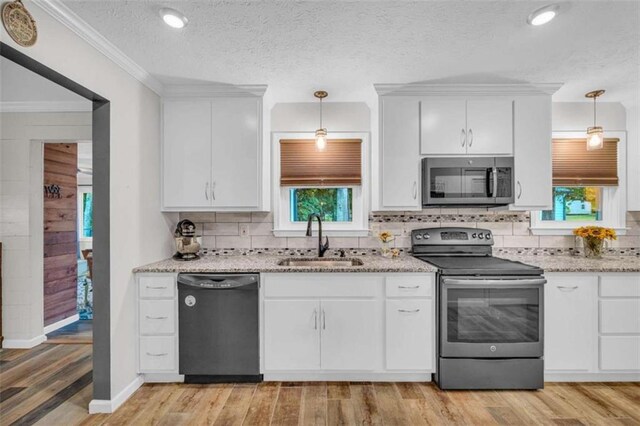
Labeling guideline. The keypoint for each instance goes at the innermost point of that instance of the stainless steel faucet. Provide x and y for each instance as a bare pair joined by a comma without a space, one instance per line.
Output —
321,247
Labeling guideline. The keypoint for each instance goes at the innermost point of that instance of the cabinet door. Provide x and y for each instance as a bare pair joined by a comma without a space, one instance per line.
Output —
443,126
400,159
237,140
490,127
350,335
186,169
532,162
292,335
571,316
410,340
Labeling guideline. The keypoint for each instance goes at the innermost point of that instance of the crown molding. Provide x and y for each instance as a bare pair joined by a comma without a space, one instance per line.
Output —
213,90
68,18
46,106
518,89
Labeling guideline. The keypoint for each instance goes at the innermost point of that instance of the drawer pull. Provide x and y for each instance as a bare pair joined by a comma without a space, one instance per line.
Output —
156,318
567,288
409,311
162,354
156,287
404,287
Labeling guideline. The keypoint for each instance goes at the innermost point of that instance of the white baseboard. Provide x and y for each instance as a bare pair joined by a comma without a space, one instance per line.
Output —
592,377
163,378
23,343
295,376
57,325
111,405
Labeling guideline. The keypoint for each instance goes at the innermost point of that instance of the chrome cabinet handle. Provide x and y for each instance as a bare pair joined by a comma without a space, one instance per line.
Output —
409,311
206,190
155,287
213,190
519,190
315,319
404,287
567,288
470,137
162,354
324,320
415,189
155,318
463,137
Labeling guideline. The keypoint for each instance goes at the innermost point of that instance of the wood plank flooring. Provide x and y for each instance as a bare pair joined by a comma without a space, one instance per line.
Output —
51,385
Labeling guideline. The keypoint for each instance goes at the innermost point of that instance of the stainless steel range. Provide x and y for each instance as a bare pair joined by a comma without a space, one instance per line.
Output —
490,312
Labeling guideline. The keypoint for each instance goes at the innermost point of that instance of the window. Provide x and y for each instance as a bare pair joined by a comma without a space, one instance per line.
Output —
85,213
331,183
588,186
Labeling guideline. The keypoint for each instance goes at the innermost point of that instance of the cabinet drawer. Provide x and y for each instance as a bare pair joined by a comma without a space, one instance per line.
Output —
620,316
620,285
409,285
322,285
155,287
410,338
157,316
620,353
158,353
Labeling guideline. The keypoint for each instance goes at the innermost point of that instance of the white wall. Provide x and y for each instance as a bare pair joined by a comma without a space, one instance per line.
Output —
21,215
572,116
336,117
139,232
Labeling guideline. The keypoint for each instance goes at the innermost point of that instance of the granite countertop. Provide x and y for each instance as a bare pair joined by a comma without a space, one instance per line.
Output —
269,263
578,263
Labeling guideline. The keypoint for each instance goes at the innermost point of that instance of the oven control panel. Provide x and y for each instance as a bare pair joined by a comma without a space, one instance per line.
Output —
451,236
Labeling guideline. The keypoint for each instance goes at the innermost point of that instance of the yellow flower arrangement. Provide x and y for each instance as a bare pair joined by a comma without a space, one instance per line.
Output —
385,236
597,232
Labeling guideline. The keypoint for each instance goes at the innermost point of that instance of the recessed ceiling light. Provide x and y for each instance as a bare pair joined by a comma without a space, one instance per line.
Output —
543,15
173,18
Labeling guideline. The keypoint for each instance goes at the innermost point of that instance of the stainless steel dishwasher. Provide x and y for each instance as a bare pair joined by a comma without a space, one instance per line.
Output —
219,328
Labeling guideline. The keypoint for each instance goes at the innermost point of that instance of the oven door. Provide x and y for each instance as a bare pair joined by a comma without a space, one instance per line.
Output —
491,317
458,181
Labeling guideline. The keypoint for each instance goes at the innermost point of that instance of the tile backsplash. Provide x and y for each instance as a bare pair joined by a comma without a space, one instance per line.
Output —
510,230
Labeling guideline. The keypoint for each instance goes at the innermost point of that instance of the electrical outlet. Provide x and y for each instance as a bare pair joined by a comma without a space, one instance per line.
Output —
244,230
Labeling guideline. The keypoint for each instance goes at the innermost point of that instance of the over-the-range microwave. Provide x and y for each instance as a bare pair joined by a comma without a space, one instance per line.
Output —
470,181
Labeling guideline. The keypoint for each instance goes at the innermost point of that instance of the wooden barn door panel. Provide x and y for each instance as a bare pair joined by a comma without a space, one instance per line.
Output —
60,232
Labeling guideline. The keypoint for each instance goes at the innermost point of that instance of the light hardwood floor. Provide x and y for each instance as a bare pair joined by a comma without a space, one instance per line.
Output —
51,385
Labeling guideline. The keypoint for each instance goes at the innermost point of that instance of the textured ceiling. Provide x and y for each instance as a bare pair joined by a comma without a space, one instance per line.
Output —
345,47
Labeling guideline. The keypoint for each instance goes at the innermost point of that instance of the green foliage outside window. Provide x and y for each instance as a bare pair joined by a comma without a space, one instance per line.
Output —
332,204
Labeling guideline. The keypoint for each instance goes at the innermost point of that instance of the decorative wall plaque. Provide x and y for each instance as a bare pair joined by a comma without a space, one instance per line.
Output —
19,23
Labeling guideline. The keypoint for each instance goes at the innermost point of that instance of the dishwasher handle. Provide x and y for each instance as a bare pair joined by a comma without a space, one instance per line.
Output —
221,282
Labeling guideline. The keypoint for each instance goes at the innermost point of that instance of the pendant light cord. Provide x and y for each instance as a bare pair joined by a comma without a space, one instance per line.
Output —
594,112
321,114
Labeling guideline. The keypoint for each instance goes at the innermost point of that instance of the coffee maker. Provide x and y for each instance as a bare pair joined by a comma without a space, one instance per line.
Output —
187,245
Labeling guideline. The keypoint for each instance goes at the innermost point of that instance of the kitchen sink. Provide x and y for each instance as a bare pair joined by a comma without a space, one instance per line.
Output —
322,262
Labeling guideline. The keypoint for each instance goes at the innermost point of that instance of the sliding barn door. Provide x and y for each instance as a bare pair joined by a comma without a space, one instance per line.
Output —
60,231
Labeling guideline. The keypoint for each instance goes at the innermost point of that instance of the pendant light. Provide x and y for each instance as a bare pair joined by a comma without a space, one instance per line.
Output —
595,136
321,133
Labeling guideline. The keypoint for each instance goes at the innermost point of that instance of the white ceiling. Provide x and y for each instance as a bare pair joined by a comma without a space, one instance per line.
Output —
346,46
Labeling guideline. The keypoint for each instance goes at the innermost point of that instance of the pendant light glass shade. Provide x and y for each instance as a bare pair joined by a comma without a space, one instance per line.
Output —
595,134
321,133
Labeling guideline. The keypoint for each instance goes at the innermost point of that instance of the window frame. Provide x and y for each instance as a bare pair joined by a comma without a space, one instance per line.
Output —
614,199
282,224
82,189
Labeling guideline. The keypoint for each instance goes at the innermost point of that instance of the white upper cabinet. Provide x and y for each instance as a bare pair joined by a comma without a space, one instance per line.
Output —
399,159
235,124
186,173
443,125
490,127
455,126
212,153
532,156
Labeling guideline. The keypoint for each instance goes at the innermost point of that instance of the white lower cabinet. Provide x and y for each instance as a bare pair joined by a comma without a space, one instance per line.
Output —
592,326
350,335
570,317
410,339
158,353
333,326
291,337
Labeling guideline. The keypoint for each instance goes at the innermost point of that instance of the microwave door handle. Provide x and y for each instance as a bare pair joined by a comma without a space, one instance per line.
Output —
489,184
495,182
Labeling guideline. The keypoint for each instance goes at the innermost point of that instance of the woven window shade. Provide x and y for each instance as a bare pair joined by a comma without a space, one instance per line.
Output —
573,165
302,164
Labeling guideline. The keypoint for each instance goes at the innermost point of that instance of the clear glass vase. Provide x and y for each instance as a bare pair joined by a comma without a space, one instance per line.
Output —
593,247
385,249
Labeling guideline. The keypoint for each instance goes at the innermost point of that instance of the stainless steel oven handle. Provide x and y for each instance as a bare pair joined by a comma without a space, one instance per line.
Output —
512,282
